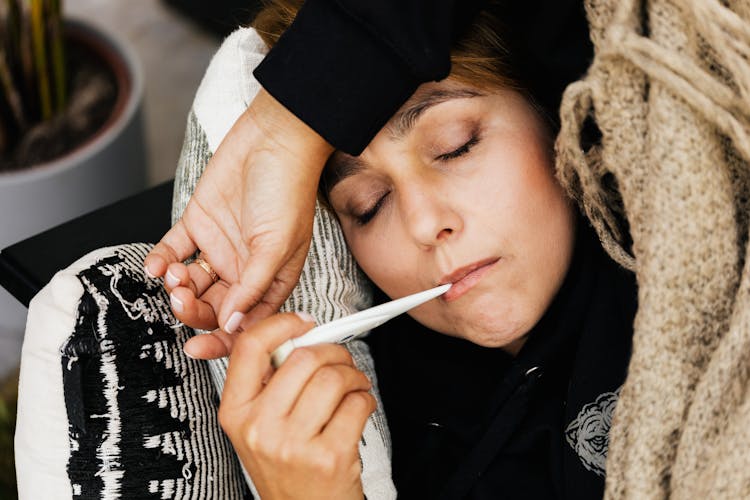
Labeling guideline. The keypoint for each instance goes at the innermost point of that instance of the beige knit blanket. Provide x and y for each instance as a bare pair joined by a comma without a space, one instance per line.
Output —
669,90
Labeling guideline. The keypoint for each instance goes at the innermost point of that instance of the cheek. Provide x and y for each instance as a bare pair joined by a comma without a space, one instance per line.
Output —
519,188
535,225
387,263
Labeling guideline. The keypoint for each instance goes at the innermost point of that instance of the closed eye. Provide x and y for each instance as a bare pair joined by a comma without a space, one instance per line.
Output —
461,150
366,216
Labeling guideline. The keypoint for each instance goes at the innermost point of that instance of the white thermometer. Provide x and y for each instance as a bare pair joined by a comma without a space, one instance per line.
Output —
344,329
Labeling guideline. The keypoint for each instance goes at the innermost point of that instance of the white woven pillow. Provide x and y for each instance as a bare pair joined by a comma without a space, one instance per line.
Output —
109,406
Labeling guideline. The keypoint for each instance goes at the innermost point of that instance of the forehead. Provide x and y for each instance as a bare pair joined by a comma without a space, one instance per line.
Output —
341,165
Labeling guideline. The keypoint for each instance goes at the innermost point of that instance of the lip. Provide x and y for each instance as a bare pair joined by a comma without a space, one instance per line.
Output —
464,278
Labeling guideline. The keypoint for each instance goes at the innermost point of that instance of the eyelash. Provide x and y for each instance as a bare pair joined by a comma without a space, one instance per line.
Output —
365,217
461,150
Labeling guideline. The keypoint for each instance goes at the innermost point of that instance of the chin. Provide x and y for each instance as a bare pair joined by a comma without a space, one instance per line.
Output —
481,320
494,339
482,331
497,329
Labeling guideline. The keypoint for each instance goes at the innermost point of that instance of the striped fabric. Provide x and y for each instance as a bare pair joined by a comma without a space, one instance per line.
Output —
331,284
142,415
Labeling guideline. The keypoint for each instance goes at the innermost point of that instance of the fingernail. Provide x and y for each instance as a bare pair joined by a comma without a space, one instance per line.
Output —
148,273
305,316
177,304
172,280
234,322
184,349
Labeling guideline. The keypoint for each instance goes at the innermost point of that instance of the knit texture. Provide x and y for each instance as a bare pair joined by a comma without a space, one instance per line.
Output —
331,284
669,90
142,415
109,405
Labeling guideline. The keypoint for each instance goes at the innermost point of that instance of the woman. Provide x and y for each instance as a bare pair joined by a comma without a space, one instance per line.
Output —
311,104
515,398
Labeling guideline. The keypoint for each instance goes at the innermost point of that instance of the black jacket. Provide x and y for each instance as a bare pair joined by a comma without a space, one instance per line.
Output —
345,66
473,422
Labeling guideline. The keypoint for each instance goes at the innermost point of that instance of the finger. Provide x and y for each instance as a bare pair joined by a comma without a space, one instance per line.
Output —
278,292
192,276
200,278
254,280
348,422
251,356
323,394
197,312
177,275
286,385
218,344
175,246
214,345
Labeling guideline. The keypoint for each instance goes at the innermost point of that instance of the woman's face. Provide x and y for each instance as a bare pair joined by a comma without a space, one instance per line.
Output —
459,188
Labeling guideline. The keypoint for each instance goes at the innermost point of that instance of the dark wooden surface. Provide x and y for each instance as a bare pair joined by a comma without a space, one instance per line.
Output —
26,266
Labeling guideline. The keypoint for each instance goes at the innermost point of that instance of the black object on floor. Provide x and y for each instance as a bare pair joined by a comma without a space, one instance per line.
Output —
219,17
27,266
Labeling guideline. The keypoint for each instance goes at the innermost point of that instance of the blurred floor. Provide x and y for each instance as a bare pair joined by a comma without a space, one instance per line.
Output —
12,321
174,54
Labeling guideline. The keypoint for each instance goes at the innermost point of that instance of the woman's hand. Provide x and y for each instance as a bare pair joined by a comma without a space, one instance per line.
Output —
250,215
296,430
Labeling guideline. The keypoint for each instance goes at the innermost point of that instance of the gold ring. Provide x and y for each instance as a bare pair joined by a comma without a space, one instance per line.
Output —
207,267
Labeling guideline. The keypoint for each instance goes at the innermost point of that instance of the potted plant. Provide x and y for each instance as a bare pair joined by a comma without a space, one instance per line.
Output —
70,129
71,136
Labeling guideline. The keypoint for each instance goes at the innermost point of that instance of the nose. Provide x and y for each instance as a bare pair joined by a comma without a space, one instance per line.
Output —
429,216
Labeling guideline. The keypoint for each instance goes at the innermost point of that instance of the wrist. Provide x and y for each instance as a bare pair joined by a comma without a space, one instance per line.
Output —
285,130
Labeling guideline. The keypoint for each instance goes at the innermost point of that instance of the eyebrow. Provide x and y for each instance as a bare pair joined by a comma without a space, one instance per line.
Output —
340,167
404,120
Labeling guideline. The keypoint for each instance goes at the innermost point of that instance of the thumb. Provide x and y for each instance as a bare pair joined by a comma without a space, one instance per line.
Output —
214,345
264,284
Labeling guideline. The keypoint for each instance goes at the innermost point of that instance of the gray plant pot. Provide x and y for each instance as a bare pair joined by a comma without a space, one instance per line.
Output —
110,166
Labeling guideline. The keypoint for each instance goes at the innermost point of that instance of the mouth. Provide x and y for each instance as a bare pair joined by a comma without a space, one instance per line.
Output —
464,278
